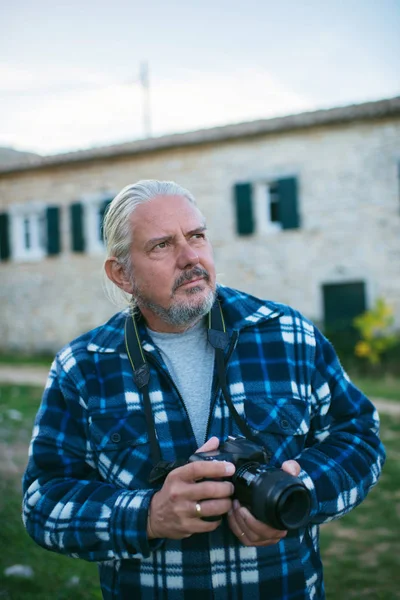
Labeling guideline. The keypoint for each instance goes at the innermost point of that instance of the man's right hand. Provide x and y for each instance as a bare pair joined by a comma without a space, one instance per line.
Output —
174,510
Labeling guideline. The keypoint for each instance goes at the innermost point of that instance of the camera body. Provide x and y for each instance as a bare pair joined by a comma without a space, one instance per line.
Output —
271,495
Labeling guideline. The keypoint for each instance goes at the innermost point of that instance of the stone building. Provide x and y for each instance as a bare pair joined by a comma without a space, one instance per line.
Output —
303,209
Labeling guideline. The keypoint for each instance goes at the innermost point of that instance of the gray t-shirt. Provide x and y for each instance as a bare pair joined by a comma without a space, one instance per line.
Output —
190,361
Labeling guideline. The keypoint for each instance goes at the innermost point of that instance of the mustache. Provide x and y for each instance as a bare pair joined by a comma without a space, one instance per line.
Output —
189,275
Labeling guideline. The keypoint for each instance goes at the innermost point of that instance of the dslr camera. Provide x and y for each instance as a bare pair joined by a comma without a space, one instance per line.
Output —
270,494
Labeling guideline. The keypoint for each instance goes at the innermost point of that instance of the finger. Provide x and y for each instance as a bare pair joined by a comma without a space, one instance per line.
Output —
234,525
201,526
203,469
210,445
292,467
176,517
254,529
238,528
243,526
245,536
209,490
215,508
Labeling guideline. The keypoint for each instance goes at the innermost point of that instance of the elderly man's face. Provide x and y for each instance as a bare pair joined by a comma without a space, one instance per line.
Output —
173,268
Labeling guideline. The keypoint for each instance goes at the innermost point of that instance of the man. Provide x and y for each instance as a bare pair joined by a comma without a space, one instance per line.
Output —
109,416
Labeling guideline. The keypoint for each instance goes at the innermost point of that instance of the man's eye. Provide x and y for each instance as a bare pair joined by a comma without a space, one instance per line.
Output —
198,236
161,245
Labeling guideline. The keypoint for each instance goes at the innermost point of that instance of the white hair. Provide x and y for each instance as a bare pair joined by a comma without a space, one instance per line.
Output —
117,228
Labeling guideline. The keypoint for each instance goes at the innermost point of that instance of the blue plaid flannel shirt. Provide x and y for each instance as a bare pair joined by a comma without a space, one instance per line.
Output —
86,491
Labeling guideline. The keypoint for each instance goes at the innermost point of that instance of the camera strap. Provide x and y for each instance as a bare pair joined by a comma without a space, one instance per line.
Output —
141,376
218,337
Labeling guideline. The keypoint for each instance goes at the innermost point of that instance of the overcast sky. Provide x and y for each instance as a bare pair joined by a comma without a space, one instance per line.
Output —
69,71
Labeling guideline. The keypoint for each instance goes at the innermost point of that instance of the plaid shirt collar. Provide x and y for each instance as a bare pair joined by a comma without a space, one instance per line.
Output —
240,310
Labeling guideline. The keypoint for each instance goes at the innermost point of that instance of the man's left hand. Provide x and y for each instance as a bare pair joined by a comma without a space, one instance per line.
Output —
248,529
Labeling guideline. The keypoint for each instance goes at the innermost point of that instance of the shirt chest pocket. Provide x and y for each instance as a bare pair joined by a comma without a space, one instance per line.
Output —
281,424
121,449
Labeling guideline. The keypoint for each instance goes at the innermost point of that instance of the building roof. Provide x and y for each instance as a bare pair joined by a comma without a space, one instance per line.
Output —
333,116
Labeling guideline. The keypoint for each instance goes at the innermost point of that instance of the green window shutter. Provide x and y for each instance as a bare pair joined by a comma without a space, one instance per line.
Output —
244,208
342,303
288,203
103,209
4,236
78,239
53,230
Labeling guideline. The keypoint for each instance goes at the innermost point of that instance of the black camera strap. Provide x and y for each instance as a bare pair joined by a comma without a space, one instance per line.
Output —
141,376
217,337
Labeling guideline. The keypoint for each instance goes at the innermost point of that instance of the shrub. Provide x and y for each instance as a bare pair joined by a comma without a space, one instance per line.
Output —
376,331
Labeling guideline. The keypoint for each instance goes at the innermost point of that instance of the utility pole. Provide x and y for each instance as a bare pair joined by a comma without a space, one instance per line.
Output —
144,81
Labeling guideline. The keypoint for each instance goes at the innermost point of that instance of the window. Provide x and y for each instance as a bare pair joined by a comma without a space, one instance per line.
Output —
29,232
342,303
87,223
272,195
266,206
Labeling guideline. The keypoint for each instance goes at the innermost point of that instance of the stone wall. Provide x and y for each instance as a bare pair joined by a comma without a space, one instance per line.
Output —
350,225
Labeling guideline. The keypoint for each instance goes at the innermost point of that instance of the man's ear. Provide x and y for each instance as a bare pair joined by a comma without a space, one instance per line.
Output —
116,273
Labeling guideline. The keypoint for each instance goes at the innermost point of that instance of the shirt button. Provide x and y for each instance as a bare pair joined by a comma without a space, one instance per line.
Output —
115,438
284,424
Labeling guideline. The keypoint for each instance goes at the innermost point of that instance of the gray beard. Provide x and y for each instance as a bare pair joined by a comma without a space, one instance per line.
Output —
182,313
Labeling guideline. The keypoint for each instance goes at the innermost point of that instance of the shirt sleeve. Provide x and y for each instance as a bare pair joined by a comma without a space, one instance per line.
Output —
344,455
67,508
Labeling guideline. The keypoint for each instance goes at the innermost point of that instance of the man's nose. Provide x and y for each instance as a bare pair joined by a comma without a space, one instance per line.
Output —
187,256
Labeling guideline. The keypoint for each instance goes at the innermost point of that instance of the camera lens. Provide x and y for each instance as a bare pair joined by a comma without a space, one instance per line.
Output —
273,496
294,507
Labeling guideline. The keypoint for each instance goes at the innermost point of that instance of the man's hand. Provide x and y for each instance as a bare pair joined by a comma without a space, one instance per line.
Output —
176,510
248,529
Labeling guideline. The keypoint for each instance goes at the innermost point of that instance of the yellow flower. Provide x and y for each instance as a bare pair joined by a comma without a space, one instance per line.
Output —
363,349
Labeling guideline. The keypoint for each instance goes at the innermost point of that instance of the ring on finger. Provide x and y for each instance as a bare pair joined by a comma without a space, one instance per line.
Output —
198,510
242,534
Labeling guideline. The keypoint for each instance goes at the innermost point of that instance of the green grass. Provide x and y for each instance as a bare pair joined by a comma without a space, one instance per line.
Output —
360,551
40,360
52,572
387,387
25,400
